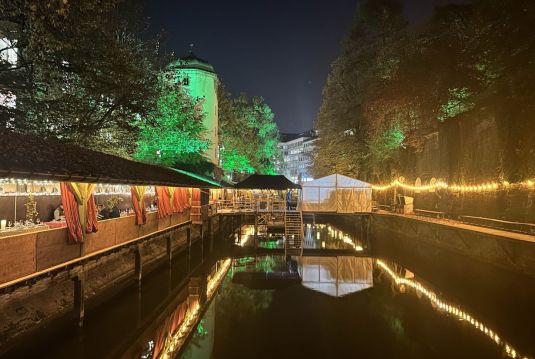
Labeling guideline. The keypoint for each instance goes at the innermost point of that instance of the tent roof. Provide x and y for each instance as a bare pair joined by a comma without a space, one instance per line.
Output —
31,157
278,182
337,180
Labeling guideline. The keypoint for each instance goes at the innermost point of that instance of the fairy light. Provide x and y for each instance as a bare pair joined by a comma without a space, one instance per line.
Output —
481,187
450,309
176,340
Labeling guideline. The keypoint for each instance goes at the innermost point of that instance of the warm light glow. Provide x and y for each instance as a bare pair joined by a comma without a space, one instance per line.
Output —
448,308
482,187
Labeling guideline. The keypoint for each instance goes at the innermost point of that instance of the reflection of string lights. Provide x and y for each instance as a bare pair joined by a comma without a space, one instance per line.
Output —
215,280
450,309
482,187
176,340
345,238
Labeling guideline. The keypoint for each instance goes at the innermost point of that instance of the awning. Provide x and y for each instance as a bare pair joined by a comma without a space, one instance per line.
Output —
276,182
31,157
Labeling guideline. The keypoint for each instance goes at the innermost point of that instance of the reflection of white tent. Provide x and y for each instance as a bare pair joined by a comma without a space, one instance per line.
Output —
336,193
336,276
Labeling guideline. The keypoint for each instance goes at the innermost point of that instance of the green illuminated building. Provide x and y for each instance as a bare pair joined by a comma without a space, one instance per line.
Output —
198,78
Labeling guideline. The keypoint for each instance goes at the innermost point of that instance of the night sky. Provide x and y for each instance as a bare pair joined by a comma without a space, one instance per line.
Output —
280,50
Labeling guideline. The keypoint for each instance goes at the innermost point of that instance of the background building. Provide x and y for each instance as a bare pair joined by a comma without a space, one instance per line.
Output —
199,79
297,151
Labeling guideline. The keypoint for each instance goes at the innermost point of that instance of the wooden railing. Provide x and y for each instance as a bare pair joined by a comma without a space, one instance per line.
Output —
24,254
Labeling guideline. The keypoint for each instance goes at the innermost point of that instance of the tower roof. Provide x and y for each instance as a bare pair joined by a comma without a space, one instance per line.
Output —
192,61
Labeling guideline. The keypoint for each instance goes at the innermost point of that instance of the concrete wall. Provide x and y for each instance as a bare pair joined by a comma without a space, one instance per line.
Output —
509,254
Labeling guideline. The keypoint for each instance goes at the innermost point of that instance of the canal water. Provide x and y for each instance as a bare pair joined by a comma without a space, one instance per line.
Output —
381,302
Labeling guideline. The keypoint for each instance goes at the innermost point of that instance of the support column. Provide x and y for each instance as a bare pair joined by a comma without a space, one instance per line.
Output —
138,265
255,230
188,239
79,305
169,250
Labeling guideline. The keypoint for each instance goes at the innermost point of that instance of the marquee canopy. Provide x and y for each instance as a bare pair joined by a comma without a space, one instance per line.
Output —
336,193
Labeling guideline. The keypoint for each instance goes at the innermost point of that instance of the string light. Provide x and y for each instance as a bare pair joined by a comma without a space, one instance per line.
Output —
482,187
450,309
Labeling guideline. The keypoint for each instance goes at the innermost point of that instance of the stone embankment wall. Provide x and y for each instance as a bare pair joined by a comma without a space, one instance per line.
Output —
32,306
424,237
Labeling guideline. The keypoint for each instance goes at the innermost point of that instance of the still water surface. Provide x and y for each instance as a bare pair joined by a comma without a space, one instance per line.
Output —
385,303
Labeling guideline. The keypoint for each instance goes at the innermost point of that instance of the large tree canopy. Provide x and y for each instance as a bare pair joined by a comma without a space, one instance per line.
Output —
172,134
394,84
248,133
83,73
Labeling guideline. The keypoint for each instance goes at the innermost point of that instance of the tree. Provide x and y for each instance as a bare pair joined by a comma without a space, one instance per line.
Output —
173,133
248,133
83,72
365,64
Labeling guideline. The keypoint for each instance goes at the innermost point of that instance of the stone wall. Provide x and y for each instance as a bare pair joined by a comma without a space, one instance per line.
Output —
509,254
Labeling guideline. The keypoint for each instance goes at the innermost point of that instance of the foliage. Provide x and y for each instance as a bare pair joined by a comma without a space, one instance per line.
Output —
393,85
83,73
173,133
248,134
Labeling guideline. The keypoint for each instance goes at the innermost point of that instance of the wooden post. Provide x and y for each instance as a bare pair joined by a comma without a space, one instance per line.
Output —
255,230
188,239
138,265
169,250
79,310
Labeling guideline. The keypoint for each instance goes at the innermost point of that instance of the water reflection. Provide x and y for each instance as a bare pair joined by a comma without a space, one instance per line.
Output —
336,276
187,315
252,313
317,236
447,308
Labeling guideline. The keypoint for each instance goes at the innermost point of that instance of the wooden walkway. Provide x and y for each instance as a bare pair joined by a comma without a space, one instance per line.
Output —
461,225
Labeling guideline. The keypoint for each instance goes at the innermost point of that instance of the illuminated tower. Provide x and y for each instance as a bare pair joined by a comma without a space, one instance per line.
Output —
198,78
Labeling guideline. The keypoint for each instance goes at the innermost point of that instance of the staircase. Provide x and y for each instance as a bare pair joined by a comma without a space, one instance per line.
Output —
293,231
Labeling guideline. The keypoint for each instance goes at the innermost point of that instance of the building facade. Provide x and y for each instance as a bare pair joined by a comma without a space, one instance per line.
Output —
199,79
298,154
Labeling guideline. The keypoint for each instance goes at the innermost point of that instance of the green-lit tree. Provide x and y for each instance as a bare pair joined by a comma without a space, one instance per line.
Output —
248,133
172,134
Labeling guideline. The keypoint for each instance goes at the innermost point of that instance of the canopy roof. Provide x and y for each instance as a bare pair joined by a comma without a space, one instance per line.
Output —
31,157
336,276
337,180
278,182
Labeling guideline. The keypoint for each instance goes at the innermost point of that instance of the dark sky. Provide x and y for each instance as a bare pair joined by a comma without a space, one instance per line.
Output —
280,50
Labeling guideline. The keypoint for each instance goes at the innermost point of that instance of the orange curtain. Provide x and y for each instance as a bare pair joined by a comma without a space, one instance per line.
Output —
83,192
91,215
138,202
186,198
195,214
176,200
72,217
164,205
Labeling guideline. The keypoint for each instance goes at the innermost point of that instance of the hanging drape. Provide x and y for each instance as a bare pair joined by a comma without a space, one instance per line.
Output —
70,209
80,209
138,193
86,204
176,204
164,205
185,198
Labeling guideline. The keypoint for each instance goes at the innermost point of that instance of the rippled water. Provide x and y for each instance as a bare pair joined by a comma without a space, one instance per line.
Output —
385,303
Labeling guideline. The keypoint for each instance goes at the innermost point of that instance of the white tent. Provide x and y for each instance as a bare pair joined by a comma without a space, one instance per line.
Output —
336,193
336,276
